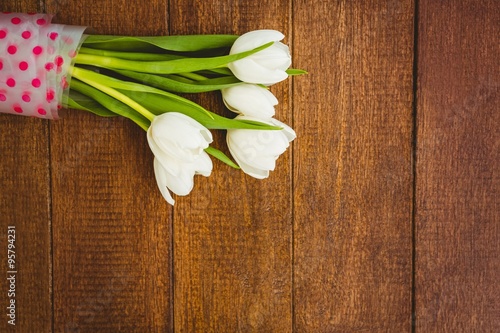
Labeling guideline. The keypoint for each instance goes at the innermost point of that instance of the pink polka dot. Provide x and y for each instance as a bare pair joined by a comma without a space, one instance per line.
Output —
11,82
72,53
26,34
3,33
49,66
64,83
50,95
37,50
1,65
58,61
68,40
15,20
36,82
26,98
23,65
51,49
18,108
12,49
2,98
42,111
53,35
41,21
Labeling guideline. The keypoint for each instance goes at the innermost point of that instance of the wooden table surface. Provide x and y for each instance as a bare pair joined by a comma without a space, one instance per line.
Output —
383,216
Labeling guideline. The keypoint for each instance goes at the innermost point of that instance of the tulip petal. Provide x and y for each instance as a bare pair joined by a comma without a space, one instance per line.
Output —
247,70
287,130
267,66
183,183
264,162
179,136
250,100
256,151
250,170
178,143
161,180
168,162
254,39
276,56
204,165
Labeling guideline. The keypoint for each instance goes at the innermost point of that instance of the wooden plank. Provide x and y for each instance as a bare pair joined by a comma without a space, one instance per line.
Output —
111,228
25,209
25,205
352,166
457,205
232,235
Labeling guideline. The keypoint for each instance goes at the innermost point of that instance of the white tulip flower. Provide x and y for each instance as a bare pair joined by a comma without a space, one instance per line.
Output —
265,67
250,100
178,143
256,151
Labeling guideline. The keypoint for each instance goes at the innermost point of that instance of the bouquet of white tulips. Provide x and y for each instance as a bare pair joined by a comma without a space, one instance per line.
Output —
47,66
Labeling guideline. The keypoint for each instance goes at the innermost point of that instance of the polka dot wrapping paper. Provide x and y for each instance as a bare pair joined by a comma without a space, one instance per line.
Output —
35,58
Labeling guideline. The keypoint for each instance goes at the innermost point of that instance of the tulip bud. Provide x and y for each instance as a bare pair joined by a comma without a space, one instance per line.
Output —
178,143
250,100
256,151
265,67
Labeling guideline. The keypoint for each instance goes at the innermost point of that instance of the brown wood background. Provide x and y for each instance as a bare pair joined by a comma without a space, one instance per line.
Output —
382,217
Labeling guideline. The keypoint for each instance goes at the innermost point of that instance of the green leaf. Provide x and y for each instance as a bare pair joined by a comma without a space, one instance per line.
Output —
142,56
294,71
138,90
184,65
221,157
177,84
221,71
160,103
189,43
79,101
105,101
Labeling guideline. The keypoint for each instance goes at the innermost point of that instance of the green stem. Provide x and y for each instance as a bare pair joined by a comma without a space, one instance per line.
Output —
193,76
141,56
102,104
80,74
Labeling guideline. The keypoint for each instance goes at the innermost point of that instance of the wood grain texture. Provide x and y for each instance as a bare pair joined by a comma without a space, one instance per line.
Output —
325,244
25,204
352,166
457,205
232,235
112,229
